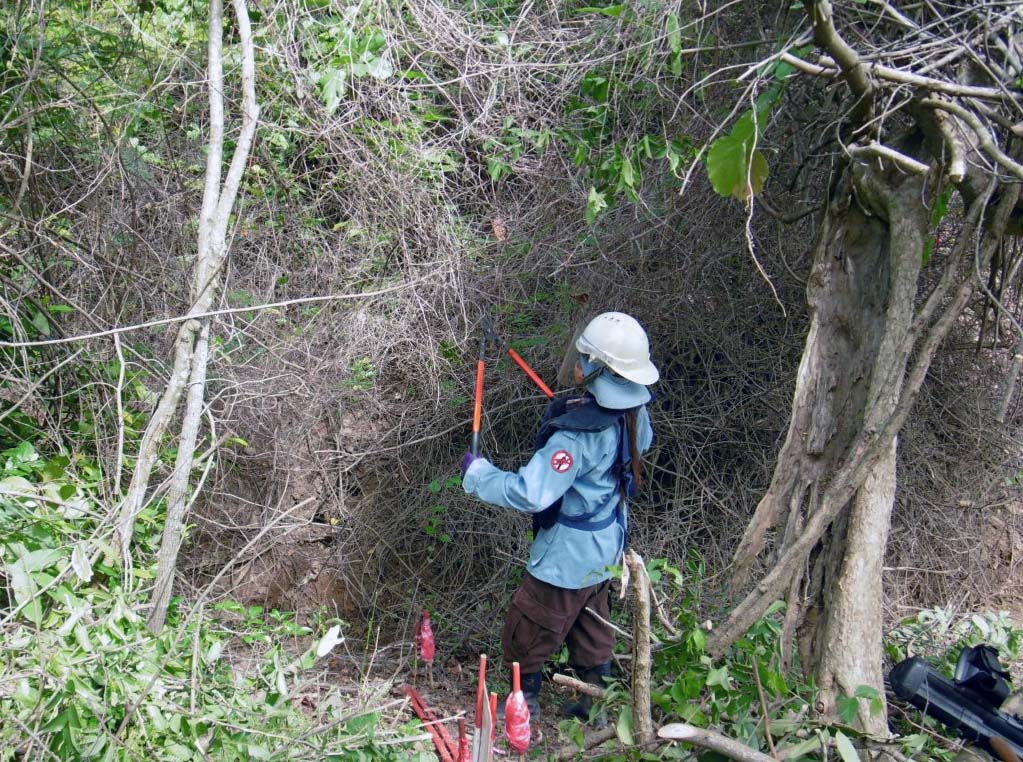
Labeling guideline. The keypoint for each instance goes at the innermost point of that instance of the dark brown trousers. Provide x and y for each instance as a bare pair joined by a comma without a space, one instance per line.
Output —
543,616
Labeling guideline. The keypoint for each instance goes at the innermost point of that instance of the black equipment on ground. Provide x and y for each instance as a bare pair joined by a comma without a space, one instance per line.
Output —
970,703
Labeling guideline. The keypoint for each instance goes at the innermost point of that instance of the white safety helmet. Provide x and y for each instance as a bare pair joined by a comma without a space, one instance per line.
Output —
618,341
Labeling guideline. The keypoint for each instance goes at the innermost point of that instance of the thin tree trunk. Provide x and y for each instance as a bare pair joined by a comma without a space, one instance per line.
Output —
214,218
849,642
177,494
642,721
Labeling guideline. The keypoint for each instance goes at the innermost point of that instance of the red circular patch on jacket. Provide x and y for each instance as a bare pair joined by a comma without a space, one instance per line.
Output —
561,461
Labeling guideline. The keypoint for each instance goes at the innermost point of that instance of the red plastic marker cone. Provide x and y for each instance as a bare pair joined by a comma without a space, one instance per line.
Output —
516,715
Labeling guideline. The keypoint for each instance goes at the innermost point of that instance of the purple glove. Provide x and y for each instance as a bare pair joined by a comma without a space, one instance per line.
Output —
467,461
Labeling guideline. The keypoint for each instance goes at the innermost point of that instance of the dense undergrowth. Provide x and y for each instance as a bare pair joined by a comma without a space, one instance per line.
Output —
474,155
82,678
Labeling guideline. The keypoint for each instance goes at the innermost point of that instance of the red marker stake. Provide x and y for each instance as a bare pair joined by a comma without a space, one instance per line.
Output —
516,715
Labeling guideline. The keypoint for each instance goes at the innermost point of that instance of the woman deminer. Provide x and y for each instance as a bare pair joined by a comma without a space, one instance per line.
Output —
576,486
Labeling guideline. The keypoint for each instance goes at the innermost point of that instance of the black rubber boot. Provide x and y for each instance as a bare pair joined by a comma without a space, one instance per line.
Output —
531,684
581,709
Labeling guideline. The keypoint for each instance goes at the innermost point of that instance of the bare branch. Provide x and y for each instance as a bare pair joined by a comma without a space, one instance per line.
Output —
827,37
987,142
712,740
875,149
216,313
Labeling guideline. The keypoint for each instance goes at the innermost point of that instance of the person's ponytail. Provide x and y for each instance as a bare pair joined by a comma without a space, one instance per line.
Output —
632,427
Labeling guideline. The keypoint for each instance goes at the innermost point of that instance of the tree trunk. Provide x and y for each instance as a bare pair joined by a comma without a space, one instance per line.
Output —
177,493
189,364
861,294
849,638
834,482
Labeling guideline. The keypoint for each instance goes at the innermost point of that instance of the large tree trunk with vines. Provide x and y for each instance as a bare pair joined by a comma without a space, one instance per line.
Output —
834,483
833,486
861,295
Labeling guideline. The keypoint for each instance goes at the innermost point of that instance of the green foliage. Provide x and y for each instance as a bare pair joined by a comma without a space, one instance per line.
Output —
938,213
610,127
689,686
434,527
736,166
343,48
83,678
505,151
940,635
849,706
362,375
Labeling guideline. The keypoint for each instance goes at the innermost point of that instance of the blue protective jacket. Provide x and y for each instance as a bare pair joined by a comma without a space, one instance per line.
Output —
582,469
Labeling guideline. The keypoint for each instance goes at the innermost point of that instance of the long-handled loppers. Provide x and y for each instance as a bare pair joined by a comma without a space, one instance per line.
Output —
490,330
490,335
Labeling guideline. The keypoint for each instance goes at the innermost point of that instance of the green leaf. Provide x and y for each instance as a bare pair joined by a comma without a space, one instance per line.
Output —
80,562
745,128
366,723
809,746
23,453
845,748
213,653
731,172
673,30
38,560
692,714
866,692
25,592
177,751
54,470
775,682
41,323
698,639
624,727
718,676
726,162
381,68
332,88
613,11
758,172
595,203
627,173
848,709
915,742
434,486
